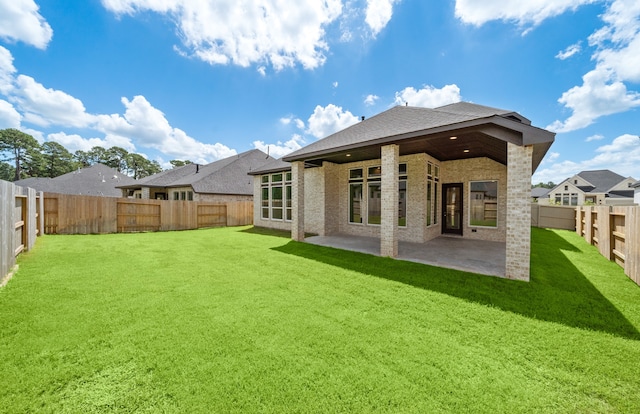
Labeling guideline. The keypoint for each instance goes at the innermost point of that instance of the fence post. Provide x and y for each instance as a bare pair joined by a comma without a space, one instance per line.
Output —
41,213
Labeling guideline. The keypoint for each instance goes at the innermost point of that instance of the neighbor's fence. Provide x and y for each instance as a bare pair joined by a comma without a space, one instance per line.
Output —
553,217
73,214
20,223
615,231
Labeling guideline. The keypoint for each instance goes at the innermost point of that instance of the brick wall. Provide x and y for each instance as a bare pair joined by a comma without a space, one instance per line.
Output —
518,236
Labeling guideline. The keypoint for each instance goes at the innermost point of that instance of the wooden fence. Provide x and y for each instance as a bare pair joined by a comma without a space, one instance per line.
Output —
615,231
553,217
72,214
20,223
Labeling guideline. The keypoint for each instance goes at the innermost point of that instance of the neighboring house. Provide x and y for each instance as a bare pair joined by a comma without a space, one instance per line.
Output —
412,174
597,187
96,180
540,194
222,180
636,192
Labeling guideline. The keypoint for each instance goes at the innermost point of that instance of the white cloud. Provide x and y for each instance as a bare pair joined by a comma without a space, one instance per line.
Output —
9,117
280,149
371,99
335,84
74,142
621,156
282,33
148,127
20,21
617,57
569,51
378,14
325,121
598,96
428,96
596,137
7,71
43,106
479,12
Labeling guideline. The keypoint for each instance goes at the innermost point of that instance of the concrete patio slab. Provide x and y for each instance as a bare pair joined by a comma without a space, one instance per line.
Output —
476,256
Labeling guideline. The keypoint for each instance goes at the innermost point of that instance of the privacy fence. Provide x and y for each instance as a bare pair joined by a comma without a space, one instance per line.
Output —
71,214
553,217
20,223
615,231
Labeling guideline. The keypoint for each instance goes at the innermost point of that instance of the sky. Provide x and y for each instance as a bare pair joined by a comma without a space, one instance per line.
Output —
204,80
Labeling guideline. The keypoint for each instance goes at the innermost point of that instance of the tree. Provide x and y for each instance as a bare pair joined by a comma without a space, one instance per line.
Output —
117,158
57,160
139,167
16,144
82,157
549,185
179,163
7,172
97,155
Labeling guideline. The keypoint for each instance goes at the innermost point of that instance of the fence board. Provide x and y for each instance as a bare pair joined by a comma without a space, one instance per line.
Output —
616,233
7,223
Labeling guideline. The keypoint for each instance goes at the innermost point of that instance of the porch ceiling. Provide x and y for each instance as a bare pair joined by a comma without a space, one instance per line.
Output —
467,144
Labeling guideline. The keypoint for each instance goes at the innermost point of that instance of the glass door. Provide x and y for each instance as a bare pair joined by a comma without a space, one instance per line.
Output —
452,208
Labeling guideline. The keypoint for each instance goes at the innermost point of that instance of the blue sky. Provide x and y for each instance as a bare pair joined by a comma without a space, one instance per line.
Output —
179,79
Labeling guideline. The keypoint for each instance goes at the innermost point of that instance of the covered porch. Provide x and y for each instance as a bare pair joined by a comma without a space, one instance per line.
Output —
475,256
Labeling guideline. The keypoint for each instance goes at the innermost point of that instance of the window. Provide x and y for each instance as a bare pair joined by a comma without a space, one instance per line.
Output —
265,201
483,207
190,195
183,195
176,195
373,185
374,203
355,203
566,199
355,195
433,172
276,199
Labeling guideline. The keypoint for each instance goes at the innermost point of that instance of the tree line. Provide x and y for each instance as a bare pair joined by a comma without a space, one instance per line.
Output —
21,156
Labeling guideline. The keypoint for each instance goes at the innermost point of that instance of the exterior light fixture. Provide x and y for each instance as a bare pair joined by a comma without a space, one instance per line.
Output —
453,137
348,155
465,150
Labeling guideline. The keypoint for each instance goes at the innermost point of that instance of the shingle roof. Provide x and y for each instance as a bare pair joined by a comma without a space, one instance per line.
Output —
226,176
538,192
636,184
402,120
273,165
602,180
96,180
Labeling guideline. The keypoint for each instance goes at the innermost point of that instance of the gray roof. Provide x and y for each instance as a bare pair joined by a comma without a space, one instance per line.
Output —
404,122
601,180
539,192
636,184
274,165
96,180
226,176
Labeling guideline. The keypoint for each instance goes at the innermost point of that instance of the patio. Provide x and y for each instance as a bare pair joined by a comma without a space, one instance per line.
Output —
476,256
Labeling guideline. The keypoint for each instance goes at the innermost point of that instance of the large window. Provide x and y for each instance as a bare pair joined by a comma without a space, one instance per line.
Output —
484,203
358,182
276,197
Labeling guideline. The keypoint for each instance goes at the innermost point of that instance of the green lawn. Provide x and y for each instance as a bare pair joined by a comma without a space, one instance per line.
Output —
239,320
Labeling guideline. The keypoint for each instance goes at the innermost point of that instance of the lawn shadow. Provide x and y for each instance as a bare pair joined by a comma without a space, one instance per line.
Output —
264,231
558,291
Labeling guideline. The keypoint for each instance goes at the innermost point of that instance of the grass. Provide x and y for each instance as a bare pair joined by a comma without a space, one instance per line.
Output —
242,320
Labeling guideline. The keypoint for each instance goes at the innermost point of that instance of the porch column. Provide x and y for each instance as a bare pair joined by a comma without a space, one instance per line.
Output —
518,252
297,202
389,201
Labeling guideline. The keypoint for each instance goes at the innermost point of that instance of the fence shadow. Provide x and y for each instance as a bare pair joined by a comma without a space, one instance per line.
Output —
558,291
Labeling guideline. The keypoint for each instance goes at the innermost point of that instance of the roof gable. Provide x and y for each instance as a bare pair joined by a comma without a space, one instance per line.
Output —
602,180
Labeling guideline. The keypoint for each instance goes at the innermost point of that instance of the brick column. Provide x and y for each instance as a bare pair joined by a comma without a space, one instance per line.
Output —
297,194
146,193
518,212
389,219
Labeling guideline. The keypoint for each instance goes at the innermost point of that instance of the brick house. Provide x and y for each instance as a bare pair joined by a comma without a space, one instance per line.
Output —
596,187
220,181
412,174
